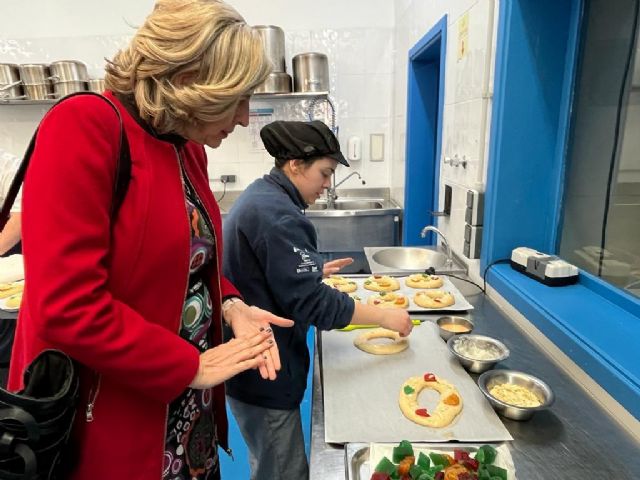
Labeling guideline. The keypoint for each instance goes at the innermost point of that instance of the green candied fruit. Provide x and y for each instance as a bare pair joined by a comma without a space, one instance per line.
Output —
415,471
439,459
404,449
408,390
486,454
497,472
385,466
424,461
425,476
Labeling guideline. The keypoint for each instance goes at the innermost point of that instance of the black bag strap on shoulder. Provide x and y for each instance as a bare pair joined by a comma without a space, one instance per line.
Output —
123,169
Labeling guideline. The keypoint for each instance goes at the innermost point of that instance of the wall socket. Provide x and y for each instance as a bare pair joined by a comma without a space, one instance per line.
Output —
228,178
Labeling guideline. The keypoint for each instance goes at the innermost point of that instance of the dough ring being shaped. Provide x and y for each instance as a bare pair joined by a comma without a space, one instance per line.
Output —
341,284
448,407
388,300
363,342
9,289
381,283
433,299
422,280
14,301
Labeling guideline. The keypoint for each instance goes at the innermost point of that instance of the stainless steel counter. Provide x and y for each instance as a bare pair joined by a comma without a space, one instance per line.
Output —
576,439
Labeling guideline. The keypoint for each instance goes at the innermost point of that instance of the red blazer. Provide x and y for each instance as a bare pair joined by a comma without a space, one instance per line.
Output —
112,296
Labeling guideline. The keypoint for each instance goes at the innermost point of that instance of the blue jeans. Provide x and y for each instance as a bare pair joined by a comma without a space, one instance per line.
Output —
274,439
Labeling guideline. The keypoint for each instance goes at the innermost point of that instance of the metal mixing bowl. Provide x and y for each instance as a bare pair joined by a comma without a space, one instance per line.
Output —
540,389
449,320
473,364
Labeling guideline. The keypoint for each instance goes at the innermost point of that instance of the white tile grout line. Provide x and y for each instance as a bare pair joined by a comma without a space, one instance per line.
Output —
621,415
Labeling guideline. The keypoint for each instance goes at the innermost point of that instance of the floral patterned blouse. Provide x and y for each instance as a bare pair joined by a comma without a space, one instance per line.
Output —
190,446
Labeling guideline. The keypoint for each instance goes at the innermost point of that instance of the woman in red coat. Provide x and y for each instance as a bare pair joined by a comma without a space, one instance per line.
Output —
139,301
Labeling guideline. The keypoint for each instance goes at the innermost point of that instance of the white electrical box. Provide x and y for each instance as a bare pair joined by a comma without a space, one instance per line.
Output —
547,269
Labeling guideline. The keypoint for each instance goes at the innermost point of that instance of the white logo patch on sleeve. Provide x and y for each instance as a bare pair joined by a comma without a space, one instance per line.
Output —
306,264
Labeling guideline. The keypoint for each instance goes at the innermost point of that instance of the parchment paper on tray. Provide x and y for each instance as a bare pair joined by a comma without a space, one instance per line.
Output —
361,392
361,459
461,304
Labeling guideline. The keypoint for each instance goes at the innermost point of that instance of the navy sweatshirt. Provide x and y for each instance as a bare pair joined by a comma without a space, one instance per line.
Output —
271,256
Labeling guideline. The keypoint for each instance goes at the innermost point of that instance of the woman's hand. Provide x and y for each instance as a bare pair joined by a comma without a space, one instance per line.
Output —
246,321
220,363
334,266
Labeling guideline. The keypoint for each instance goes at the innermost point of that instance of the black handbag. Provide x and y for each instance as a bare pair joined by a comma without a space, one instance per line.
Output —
36,423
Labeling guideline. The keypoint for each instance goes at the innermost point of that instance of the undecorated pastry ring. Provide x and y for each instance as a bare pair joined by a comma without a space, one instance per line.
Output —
363,342
448,407
341,284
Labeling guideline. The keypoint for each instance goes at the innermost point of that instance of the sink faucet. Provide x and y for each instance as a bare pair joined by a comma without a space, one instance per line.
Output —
431,228
331,191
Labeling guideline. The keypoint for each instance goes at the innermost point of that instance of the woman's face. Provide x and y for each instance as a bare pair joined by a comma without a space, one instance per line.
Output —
212,133
311,180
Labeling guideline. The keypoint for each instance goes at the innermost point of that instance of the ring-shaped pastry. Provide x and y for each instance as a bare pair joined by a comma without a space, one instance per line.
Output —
448,407
381,283
363,342
422,280
341,284
388,300
433,299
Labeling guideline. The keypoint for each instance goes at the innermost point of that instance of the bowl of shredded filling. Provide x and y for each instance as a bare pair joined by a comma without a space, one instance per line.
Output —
515,395
477,353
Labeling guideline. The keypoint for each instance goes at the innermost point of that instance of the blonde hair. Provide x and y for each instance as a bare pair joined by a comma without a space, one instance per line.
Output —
192,61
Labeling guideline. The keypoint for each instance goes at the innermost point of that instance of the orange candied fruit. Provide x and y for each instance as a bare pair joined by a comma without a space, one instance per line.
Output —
452,399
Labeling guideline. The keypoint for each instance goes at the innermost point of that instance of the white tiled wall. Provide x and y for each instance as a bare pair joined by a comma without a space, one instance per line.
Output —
357,37
467,98
367,43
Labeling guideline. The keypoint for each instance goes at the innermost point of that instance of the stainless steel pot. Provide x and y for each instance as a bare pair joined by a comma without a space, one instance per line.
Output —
273,39
276,82
34,73
62,89
68,71
311,72
96,85
10,83
38,91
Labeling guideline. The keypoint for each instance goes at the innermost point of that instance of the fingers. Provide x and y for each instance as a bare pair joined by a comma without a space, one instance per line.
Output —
279,321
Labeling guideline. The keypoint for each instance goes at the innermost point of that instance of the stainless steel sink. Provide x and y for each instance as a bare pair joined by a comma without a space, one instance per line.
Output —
358,204
350,206
409,259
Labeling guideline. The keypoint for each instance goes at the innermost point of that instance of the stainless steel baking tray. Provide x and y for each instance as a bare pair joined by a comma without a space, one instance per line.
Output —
361,392
461,304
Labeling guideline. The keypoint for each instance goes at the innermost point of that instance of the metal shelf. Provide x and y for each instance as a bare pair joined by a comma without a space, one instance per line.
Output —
256,96
292,95
27,102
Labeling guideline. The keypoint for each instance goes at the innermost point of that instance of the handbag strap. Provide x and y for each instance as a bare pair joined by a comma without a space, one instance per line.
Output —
123,169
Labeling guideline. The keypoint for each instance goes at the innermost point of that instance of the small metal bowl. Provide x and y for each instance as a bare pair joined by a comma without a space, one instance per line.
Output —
475,365
540,389
447,334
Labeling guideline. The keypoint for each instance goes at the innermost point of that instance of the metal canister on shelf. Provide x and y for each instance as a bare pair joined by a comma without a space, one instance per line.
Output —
10,83
35,81
273,39
96,85
68,71
310,72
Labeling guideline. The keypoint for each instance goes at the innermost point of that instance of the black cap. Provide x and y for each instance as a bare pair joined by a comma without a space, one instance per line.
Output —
301,140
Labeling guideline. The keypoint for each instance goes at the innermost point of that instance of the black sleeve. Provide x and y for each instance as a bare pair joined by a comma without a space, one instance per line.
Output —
293,269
